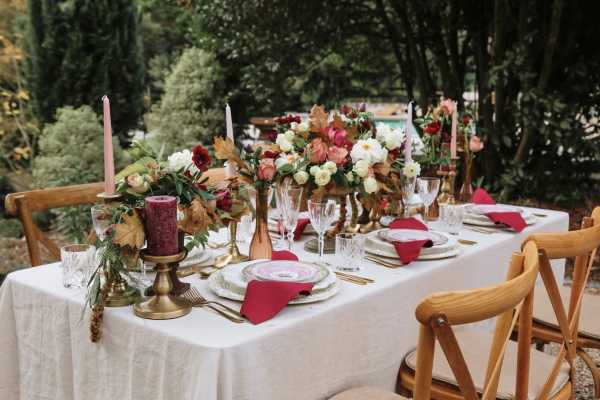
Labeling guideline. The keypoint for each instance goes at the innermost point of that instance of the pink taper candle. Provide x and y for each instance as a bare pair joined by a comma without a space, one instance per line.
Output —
109,164
230,169
453,136
409,131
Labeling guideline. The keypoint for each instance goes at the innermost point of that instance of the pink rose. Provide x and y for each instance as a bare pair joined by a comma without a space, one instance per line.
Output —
475,144
448,106
337,155
337,136
317,151
266,169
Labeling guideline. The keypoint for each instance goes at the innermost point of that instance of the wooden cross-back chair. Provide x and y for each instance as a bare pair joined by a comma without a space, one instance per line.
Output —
578,326
23,204
454,364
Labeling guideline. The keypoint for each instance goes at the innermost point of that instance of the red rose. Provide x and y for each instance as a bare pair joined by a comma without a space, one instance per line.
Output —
433,127
271,154
224,200
201,157
271,135
466,119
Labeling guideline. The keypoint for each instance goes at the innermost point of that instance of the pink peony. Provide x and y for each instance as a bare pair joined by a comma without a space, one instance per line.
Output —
448,106
266,169
317,151
475,144
337,136
337,155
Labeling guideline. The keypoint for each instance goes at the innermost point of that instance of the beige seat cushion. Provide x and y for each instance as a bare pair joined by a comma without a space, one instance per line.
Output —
475,346
589,323
366,393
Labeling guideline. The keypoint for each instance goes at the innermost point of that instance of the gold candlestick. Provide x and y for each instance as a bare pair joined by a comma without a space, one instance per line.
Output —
119,293
447,189
163,305
233,250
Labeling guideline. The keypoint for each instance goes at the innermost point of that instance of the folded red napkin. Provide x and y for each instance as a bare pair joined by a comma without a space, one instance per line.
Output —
300,227
409,251
510,218
283,255
408,223
264,299
480,196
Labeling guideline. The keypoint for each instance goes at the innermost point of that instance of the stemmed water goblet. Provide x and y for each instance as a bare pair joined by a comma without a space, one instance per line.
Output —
428,189
408,190
288,203
321,214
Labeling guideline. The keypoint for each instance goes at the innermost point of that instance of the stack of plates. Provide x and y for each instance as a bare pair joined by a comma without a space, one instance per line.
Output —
475,214
231,281
380,243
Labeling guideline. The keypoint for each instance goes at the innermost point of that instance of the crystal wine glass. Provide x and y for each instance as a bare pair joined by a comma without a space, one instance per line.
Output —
428,189
321,215
408,189
288,203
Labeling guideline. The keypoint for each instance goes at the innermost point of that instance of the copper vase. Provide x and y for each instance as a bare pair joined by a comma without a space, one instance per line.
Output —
466,190
261,246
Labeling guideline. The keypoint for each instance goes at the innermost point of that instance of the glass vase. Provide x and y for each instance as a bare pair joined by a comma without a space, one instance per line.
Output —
261,246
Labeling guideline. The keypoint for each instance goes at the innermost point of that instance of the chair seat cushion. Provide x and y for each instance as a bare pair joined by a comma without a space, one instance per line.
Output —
475,346
589,323
366,393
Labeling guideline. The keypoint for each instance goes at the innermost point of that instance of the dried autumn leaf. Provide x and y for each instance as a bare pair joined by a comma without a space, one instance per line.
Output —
318,119
382,168
130,232
225,150
196,218
337,122
318,193
351,133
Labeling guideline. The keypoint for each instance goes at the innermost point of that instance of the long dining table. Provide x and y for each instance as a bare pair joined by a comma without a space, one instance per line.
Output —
310,351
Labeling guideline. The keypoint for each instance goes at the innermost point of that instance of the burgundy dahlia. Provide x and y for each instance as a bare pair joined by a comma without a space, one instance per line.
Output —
201,157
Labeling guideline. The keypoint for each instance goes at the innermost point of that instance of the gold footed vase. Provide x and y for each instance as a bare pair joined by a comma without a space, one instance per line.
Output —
373,224
353,226
162,305
261,246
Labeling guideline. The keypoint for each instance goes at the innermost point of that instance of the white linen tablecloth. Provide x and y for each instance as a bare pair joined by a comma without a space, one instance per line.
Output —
309,351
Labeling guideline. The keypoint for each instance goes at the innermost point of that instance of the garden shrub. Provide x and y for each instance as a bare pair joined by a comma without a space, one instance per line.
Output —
191,109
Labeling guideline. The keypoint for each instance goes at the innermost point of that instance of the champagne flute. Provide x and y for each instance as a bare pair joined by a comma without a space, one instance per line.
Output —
428,189
321,215
288,203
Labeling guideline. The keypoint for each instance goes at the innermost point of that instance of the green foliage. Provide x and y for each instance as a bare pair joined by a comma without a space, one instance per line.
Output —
79,50
10,228
71,152
191,109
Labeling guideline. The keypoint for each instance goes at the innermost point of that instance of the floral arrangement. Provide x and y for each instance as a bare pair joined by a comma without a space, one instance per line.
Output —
436,127
200,209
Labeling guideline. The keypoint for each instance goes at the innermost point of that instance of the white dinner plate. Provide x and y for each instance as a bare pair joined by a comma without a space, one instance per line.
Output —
409,235
285,271
377,246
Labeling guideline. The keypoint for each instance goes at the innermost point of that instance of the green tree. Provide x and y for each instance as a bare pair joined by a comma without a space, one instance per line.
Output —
79,50
192,107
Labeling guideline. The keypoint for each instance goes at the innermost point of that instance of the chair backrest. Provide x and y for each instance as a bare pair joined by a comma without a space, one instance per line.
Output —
582,246
440,311
24,204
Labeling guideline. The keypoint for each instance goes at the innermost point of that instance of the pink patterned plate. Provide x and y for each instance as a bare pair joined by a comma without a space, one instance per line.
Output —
285,271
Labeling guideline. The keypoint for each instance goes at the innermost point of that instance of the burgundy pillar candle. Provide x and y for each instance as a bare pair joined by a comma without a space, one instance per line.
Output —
161,225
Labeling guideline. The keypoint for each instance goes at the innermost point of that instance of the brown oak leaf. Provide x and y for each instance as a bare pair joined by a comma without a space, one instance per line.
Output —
225,150
337,122
130,232
196,218
318,119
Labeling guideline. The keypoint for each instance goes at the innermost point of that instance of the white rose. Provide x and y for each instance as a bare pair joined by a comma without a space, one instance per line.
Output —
411,169
382,131
281,161
303,126
301,177
180,160
314,169
361,167
350,176
284,144
289,135
394,139
322,177
383,155
330,166
370,185
294,126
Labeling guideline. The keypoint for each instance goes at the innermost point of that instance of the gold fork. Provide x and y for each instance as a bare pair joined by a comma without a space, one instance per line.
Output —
197,300
385,263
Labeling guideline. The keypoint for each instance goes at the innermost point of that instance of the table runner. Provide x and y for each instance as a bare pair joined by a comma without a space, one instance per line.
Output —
309,351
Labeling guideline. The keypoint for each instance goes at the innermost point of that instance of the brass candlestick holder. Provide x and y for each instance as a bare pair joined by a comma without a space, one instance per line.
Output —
233,249
373,224
163,305
353,226
119,293
448,178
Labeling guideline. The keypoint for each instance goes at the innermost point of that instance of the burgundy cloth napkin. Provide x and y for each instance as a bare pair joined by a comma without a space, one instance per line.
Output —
265,299
511,218
480,196
283,255
300,227
409,251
